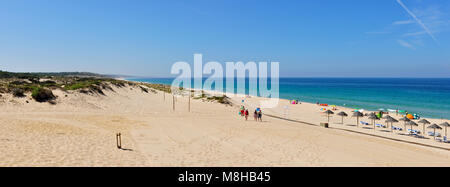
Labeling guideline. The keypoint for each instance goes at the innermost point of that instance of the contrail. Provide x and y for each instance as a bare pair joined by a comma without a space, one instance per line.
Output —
417,20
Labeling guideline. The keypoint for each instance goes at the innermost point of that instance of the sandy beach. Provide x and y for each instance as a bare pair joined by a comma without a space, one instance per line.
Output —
79,130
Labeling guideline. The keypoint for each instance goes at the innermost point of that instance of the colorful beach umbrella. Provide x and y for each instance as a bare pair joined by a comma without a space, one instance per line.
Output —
342,114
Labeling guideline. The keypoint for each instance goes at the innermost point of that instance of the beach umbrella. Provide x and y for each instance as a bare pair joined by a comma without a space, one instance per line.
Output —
342,114
373,117
412,123
391,120
357,115
445,125
386,117
328,112
424,122
434,127
405,119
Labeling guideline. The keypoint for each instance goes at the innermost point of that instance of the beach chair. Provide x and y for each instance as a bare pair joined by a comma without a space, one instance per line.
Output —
380,125
430,133
445,140
397,128
364,123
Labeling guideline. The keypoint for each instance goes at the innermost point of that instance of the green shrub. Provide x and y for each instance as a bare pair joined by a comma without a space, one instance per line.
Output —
18,92
42,95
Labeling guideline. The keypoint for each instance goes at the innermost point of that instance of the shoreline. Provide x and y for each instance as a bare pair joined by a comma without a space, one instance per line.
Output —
286,100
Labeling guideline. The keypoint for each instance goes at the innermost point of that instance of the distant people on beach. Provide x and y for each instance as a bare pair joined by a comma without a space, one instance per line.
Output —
260,115
246,114
255,115
242,111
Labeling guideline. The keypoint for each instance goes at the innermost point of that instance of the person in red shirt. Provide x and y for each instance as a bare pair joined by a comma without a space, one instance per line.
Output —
246,115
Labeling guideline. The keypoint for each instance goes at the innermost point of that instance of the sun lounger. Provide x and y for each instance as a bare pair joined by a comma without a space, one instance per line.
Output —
413,131
364,123
445,139
397,128
380,125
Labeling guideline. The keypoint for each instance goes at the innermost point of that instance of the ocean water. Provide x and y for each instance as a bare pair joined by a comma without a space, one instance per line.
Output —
428,97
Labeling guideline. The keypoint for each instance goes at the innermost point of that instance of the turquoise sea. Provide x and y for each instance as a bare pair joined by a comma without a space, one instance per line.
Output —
428,97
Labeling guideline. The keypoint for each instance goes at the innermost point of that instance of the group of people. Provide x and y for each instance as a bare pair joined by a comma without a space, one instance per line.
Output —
257,115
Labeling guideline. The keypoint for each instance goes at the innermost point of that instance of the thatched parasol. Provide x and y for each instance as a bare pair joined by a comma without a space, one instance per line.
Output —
329,112
434,127
373,117
357,115
342,114
405,119
412,123
391,120
424,122
445,125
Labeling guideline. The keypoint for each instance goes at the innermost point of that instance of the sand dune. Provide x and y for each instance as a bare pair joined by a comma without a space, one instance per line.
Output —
80,131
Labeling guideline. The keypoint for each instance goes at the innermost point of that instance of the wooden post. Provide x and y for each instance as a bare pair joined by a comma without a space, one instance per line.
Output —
119,140
189,105
173,102
164,93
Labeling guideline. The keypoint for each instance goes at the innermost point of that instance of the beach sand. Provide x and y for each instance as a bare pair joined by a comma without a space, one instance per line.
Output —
80,131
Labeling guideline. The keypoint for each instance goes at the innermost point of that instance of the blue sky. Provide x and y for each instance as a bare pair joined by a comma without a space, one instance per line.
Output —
310,38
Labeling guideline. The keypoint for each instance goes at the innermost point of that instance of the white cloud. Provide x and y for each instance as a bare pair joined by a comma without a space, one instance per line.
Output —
415,33
378,32
403,22
406,44
418,20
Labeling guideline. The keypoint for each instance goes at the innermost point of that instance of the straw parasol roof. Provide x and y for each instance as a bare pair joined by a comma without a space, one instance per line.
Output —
445,125
386,117
328,112
391,120
424,122
412,123
357,114
373,117
342,114
434,127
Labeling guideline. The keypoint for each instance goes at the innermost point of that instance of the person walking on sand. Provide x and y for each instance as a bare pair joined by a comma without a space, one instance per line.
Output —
246,114
260,116
255,115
